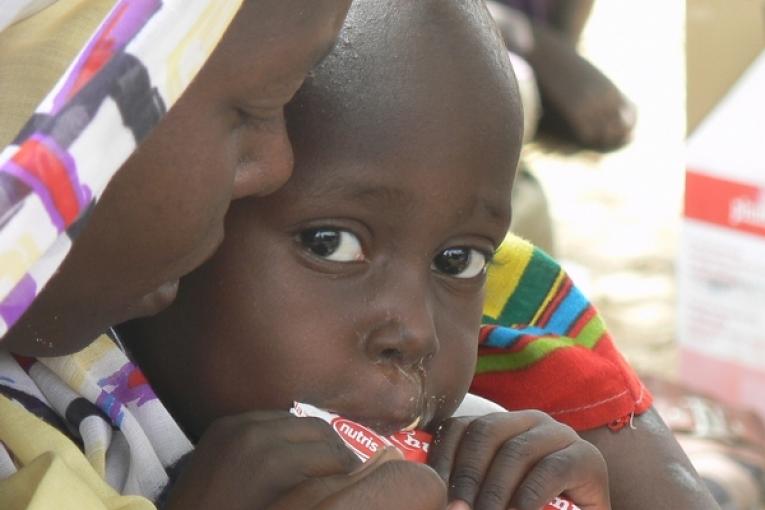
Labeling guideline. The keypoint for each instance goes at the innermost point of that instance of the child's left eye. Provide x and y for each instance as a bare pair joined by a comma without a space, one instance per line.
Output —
332,244
460,262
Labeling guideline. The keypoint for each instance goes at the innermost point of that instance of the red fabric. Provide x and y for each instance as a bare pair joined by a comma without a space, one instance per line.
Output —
583,388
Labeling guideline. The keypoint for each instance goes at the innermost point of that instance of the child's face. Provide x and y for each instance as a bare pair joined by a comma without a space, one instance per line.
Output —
358,286
162,215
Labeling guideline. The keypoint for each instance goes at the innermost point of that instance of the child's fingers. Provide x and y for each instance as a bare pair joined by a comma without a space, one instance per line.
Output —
384,482
520,456
397,484
288,448
247,461
525,458
445,445
577,470
514,441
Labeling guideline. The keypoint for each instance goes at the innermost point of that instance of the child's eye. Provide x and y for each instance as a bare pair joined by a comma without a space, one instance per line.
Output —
460,262
332,244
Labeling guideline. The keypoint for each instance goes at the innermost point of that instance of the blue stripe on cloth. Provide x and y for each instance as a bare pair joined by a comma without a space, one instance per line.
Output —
567,313
503,337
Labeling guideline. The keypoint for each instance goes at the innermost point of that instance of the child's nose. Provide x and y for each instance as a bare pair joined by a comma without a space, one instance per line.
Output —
272,165
401,344
407,334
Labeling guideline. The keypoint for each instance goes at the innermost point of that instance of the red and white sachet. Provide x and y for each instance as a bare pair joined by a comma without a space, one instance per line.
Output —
365,442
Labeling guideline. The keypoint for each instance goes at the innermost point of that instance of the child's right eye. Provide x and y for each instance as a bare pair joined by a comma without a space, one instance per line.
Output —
332,244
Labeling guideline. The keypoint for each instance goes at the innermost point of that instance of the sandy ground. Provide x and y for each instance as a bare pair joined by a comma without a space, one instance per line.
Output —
617,215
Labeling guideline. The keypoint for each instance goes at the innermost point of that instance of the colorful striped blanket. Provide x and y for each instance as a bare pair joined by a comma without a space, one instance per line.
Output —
544,346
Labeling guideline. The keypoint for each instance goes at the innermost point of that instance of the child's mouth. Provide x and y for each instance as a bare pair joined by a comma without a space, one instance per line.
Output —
388,399
391,422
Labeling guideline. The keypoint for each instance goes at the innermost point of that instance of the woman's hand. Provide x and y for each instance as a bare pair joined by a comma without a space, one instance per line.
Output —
520,460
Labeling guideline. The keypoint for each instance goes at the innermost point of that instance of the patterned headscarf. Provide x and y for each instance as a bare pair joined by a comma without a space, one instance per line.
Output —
135,66
101,400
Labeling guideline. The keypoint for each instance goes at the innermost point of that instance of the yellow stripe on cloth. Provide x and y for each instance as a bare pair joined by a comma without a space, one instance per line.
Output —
54,473
183,62
74,369
505,273
550,295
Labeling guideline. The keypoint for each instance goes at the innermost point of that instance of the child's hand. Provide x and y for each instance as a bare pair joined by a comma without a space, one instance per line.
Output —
518,460
275,461
250,460
383,482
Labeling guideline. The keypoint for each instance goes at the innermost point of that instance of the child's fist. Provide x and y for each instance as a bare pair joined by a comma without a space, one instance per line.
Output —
517,460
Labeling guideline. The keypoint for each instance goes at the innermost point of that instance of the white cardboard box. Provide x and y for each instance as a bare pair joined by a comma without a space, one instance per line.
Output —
721,268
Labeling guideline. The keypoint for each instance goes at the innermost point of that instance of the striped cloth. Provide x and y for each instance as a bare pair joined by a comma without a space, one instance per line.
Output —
131,71
102,402
544,346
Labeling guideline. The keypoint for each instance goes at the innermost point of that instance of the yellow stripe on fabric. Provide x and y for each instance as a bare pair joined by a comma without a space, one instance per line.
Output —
550,296
74,369
31,439
505,273
97,460
47,484
202,37
15,262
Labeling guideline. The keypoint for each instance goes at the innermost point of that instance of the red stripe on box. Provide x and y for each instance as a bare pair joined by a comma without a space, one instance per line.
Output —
725,203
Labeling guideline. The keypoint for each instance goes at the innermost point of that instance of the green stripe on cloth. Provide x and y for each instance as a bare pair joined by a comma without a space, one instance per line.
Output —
591,333
538,349
537,280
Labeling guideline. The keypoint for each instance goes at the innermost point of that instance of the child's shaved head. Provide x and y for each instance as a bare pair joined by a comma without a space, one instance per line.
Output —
358,287
402,67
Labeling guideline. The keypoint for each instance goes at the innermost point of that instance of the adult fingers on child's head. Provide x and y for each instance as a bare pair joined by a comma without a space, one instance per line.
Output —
578,471
384,482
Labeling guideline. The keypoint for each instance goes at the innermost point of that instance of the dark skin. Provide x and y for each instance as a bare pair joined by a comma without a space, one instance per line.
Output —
162,214
647,451
580,102
358,287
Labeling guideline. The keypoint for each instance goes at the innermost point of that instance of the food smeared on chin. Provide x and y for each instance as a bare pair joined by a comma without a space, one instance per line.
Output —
365,442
